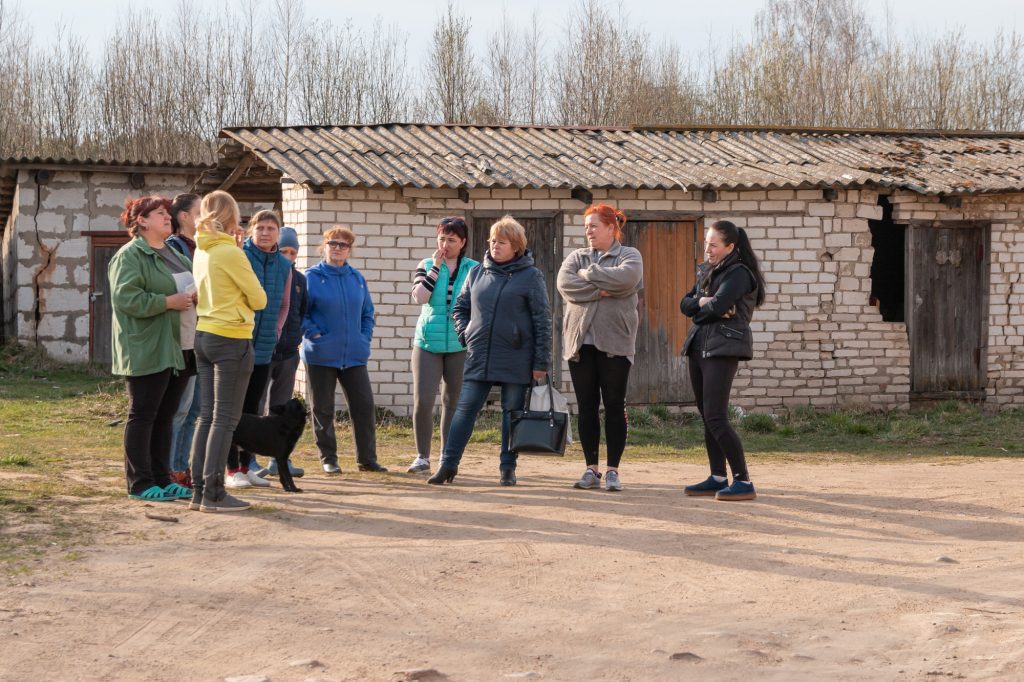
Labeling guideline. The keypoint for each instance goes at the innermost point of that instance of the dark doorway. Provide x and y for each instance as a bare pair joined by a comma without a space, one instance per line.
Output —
102,247
888,266
947,308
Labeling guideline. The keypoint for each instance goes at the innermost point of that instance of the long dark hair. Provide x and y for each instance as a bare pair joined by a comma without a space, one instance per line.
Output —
731,234
182,202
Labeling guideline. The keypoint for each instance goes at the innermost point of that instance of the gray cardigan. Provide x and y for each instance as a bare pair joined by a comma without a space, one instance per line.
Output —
611,320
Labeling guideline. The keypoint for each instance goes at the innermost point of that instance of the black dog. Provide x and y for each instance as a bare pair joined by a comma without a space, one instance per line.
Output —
274,436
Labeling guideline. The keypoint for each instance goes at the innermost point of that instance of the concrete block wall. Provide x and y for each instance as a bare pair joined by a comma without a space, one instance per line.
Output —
818,341
51,252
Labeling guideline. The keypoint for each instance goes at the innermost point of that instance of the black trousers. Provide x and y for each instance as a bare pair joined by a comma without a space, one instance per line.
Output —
251,405
152,401
355,383
711,379
597,378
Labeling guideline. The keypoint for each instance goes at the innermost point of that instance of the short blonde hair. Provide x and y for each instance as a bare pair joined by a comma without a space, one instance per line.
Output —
218,212
338,232
509,228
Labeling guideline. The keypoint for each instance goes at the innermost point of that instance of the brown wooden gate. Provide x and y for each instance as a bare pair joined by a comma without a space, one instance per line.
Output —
947,309
102,247
544,239
670,251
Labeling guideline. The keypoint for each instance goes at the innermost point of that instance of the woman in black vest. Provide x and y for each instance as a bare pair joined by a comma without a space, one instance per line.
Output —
729,286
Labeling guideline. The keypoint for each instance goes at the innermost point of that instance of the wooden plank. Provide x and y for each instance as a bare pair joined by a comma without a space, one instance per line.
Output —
659,374
947,308
100,310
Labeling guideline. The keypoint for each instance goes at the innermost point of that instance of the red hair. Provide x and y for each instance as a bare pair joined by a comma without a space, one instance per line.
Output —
609,215
140,208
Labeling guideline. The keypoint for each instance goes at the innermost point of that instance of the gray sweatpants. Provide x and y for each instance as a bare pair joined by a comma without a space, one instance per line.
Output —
224,368
428,371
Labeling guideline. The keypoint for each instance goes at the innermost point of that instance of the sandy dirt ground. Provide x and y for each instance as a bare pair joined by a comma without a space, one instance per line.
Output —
841,572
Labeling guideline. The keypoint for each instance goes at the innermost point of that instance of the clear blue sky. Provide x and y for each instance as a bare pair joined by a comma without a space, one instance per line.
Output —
689,22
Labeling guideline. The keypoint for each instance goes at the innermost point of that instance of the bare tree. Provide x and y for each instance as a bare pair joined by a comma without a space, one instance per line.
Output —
386,82
287,27
452,77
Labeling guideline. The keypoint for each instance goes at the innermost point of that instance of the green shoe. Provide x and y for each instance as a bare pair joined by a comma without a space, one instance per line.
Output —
153,494
178,492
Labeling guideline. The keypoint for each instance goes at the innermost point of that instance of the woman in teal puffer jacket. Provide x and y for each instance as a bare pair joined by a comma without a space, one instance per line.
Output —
437,353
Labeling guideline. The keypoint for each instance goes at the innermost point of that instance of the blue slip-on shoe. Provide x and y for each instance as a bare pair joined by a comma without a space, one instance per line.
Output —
738,491
706,488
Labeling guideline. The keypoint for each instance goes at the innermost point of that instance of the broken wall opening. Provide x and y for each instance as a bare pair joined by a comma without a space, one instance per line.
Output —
888,266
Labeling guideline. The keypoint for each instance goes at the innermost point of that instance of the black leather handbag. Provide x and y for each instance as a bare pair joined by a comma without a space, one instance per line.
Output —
538,431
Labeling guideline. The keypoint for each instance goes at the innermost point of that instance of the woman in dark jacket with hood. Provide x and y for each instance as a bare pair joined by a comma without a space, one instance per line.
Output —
729,286
503,318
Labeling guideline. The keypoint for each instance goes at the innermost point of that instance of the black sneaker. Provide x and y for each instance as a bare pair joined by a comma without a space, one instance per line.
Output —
374,467
706,488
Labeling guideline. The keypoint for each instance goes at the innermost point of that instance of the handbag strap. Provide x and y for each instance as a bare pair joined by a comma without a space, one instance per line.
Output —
551,396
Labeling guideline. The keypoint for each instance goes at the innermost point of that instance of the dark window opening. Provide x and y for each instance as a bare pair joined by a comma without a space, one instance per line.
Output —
888,267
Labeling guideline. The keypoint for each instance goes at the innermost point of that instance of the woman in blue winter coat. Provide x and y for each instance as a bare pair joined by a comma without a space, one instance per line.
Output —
336,335
504,319
437,354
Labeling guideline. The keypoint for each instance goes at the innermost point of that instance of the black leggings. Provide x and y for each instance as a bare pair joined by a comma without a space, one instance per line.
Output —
712,380
238,458
598,378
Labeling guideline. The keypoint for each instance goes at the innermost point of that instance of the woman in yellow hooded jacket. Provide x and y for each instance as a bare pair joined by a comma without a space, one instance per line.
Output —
229,294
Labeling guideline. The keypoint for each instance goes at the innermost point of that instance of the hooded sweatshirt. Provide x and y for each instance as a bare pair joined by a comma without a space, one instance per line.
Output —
229,292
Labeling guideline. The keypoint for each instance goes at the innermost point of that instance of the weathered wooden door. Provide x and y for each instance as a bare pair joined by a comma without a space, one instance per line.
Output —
670,251
947,308
102,247
544,240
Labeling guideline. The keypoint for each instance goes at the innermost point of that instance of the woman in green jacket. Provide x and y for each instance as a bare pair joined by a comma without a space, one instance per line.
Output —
152,294
437,354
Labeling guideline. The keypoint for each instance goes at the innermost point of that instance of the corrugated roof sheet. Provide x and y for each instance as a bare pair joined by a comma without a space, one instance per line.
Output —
930,162
115,164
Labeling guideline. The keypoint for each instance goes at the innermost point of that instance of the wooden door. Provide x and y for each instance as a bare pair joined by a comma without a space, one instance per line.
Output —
544,240
947,308
670,250
102,247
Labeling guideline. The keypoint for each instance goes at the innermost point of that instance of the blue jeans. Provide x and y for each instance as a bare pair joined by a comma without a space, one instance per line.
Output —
471,401
184,425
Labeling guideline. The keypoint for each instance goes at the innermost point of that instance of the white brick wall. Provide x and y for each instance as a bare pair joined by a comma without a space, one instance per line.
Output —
817,340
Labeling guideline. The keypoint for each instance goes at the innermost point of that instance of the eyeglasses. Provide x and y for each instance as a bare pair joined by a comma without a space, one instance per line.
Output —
339,245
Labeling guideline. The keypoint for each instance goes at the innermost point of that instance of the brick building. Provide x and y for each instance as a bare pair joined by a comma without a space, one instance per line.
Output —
60,222
893,258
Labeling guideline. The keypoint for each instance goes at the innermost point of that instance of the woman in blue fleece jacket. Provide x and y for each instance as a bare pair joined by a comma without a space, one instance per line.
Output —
336,335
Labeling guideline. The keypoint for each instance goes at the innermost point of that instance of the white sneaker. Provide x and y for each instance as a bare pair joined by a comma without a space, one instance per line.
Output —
419,465
237,480
332,469
256,480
